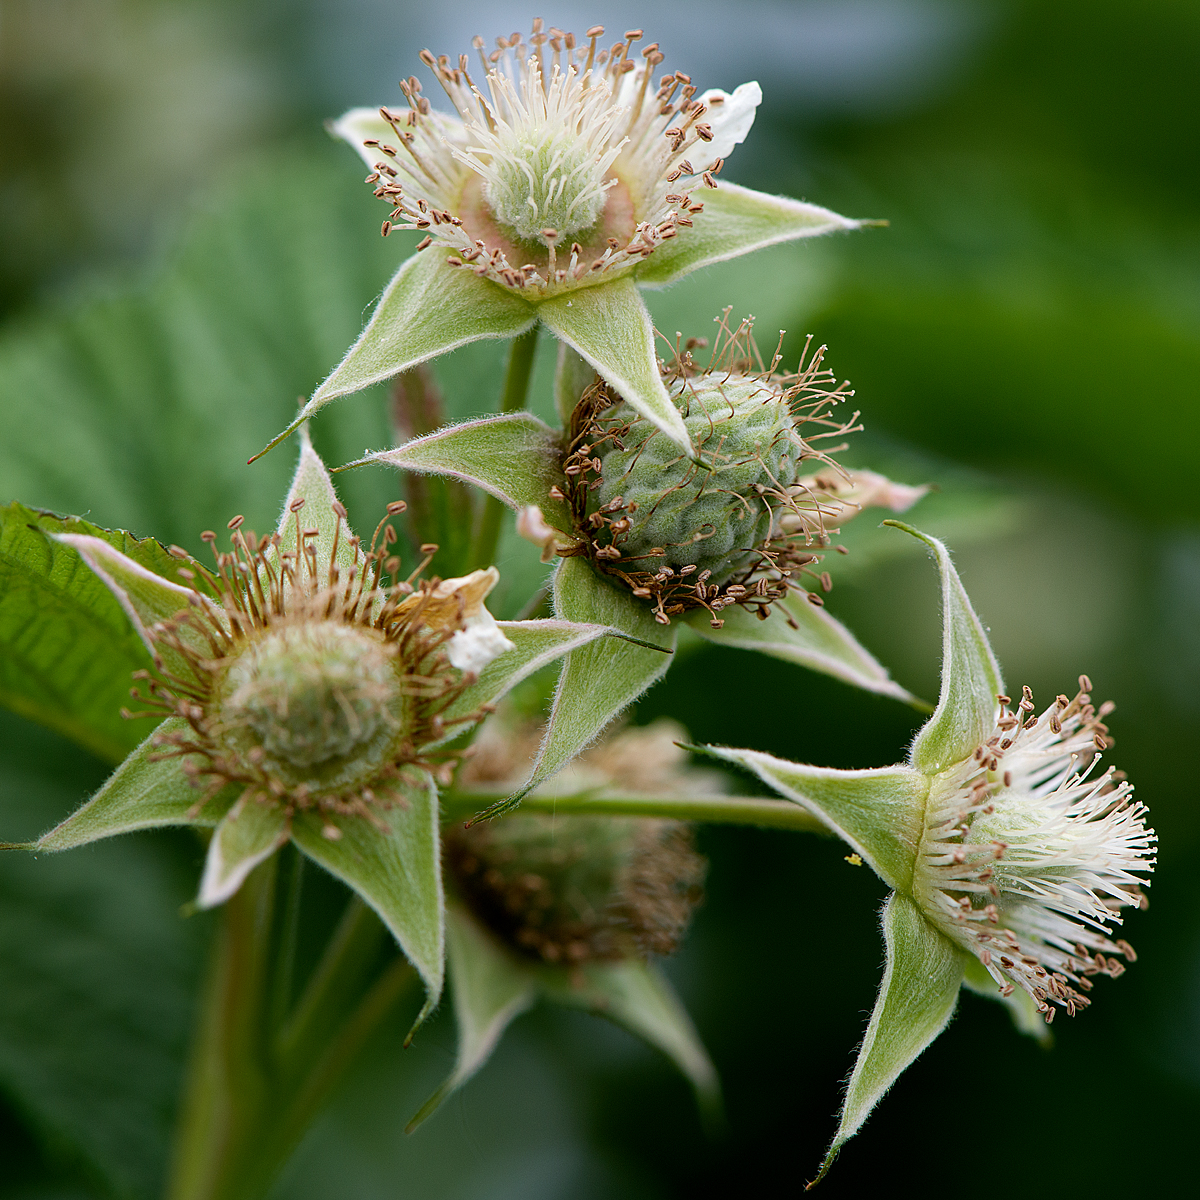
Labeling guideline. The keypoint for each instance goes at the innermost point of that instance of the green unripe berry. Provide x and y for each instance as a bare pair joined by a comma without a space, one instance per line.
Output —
743,429
310,694
545,181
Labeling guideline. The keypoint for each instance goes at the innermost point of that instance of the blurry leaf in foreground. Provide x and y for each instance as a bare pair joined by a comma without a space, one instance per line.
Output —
99,976
66,649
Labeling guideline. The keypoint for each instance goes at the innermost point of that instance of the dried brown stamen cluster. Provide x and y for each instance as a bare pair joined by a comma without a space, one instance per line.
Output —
309,679
582,889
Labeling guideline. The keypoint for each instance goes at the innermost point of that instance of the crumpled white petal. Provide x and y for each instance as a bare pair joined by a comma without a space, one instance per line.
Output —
730,118
472,648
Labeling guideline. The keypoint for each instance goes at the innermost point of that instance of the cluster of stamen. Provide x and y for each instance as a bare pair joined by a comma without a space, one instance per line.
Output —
260,591
579,889
799,509
603,113
1028,858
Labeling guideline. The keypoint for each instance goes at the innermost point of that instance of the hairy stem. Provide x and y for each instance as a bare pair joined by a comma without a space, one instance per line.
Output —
717,810
512,399
262,1068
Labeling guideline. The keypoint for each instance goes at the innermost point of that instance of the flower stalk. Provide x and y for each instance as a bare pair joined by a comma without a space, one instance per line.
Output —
512,399
263,1067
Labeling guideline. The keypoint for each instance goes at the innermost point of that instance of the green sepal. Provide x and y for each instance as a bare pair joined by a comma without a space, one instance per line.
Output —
311,483
971,681
801,632
145,596
573,375
489,988
1020,1004
880,811
736,221
609,326
144,792
66,647
921,980
429,308
637,996
396,869
535,645
601,679
514,457
250,832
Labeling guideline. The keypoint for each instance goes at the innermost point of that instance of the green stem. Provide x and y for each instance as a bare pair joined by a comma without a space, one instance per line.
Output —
512,399
259,1074
718,810
227,1082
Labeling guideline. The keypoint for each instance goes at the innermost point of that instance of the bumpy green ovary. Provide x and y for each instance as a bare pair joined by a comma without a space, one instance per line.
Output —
546,183
311,692
743,429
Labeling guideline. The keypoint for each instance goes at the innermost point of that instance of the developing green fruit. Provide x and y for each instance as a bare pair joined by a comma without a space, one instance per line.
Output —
731,526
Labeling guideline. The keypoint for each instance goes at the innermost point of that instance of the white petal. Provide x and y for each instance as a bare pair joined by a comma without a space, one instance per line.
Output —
730,120
359,124
472,648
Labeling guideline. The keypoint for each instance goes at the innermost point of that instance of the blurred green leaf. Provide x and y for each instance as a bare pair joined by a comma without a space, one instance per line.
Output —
157,393
67,649
98,972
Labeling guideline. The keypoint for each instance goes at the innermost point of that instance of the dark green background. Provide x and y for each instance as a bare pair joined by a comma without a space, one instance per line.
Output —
184,253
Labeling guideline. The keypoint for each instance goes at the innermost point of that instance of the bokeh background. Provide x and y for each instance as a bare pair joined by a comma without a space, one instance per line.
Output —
184,251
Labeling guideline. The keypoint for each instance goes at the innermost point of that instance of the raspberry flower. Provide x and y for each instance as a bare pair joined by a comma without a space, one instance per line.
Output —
564,177
1010,855
728,543
310,693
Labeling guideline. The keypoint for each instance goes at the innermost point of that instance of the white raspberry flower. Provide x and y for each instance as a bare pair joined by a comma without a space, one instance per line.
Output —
564,176
1011,857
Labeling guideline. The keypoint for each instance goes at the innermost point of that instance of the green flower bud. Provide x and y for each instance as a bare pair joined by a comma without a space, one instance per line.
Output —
579,889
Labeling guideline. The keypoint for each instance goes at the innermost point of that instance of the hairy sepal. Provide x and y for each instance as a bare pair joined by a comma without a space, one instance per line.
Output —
971,681
608,325
144,792
489,988
603,678
396,869
801,632
514,457
736,221
249,834
921,981
429,308
879,812
637,996
312,490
